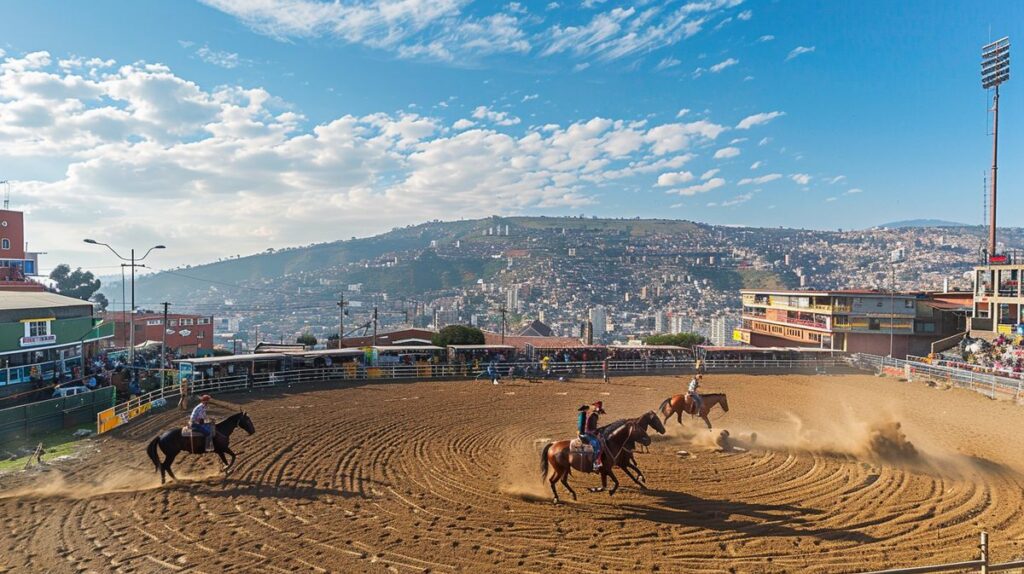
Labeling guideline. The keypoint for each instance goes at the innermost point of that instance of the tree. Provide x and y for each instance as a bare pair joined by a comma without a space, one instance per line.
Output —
78,284
458,335
306,339
677,339
101,300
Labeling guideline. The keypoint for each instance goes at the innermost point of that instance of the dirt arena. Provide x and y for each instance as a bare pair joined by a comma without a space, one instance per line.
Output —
444,477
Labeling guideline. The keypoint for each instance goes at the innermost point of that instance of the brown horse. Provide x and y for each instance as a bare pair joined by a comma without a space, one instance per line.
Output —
618,443
679,404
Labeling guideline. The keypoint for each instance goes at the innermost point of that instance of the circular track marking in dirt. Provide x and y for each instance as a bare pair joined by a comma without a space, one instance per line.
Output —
445,477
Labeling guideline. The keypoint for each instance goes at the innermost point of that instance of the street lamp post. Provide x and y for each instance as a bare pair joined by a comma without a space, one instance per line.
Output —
995,69
133,264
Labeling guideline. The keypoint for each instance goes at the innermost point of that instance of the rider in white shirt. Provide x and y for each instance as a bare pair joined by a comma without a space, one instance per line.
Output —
694,393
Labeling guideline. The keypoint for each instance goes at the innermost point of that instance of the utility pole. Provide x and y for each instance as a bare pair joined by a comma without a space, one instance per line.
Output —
374,325
163,342
341,321
124,308
257,338
892,305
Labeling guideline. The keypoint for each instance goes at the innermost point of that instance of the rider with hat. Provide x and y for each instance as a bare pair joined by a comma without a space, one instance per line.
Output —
586,425
693,391
199,421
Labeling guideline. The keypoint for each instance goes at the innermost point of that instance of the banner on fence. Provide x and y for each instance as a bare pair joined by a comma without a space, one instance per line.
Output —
109,420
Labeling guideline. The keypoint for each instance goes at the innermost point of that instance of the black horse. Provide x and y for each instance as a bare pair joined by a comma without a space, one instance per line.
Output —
624,458
172,442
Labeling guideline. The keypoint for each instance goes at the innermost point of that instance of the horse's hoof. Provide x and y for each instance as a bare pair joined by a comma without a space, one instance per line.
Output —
556,501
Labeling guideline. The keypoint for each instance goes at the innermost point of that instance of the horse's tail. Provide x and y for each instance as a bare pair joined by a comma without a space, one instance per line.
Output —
664,404
151,451
544,461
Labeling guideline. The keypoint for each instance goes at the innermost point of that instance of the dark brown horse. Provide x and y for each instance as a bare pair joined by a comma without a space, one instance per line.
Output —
679,404
172,442
617,444
626,459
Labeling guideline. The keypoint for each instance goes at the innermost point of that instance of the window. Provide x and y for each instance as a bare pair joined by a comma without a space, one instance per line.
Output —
37,328
908,303
203,321
184,322
172,323
6,243
200,335
154,321
874,324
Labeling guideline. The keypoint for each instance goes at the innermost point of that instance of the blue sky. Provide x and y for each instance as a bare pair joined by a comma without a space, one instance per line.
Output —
230,126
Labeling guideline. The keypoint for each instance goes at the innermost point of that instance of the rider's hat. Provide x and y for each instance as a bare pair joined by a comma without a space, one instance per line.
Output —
599,406
205,398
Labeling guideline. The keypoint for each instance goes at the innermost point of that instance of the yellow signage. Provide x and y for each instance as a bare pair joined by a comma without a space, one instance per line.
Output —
107,420
741,336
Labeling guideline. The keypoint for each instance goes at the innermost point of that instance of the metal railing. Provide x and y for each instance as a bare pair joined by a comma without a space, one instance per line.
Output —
982,564
532,370
987,384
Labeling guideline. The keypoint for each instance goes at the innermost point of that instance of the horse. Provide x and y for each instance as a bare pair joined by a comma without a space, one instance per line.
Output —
557,456
172,442
625,459
679,404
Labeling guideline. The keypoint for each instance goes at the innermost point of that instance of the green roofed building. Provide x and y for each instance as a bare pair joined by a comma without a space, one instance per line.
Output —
42,334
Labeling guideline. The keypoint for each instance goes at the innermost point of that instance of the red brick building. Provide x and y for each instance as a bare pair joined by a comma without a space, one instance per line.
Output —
16,264
187,335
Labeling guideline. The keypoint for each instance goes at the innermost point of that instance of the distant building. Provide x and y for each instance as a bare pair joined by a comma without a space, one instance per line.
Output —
536,329
599,319
849,320
997,304
512,299
400,338
660,322
186,334
16,264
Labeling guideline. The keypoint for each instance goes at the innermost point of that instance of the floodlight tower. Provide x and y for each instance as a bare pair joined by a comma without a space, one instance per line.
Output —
995,69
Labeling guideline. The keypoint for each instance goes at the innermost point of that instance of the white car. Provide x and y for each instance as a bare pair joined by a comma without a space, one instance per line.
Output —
62,392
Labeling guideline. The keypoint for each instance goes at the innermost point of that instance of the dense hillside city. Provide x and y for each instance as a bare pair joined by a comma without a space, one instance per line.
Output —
627,277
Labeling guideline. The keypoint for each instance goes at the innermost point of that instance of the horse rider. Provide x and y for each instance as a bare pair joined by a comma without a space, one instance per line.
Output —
492,372
586,425
199,421
693,391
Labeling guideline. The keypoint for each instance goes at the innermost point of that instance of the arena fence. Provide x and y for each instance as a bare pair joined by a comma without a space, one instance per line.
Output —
122,413
982,564
991,385
18,423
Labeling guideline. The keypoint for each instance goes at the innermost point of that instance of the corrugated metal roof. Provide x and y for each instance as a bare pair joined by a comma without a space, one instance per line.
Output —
15,300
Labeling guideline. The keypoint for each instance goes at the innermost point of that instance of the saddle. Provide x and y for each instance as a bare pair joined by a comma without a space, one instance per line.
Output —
581,455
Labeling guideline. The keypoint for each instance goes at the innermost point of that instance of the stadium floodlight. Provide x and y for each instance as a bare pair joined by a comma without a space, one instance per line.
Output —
995,69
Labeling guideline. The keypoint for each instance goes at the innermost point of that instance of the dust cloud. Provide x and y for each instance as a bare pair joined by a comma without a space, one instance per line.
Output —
113,482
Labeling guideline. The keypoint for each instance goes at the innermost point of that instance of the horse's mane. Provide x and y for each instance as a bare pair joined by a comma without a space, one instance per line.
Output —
713,395
611,427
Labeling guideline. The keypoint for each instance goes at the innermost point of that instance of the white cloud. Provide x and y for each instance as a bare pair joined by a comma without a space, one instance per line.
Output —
667,63
801,178
758,119
756,164
552,6
223,59
723,65
709,174
831,198
727,152
701,187
240,170
581,66
529,97
738,200
682,112
672,179
764,141
766,38
498,118
759,180
855,190
745,15
799,50
836,179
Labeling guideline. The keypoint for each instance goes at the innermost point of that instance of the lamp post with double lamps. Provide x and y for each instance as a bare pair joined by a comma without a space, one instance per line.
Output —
133,264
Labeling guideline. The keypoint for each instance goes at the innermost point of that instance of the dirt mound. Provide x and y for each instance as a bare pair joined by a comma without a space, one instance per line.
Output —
888,442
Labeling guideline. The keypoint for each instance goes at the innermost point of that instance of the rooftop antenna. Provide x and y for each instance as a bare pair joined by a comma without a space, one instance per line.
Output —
995,69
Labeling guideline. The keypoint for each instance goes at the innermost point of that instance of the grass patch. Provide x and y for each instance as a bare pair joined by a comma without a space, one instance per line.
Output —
55,444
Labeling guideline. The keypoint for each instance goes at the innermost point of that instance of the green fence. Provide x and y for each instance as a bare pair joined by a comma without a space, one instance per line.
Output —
18,423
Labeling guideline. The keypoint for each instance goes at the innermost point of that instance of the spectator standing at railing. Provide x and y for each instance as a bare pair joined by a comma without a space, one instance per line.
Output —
183,394
604,370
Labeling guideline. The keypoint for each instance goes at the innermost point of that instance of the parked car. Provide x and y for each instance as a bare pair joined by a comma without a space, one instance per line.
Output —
62,392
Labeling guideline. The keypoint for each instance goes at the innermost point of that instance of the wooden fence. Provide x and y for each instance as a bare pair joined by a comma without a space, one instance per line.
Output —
18,423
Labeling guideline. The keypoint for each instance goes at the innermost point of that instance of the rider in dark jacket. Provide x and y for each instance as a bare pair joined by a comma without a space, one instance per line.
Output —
586,426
